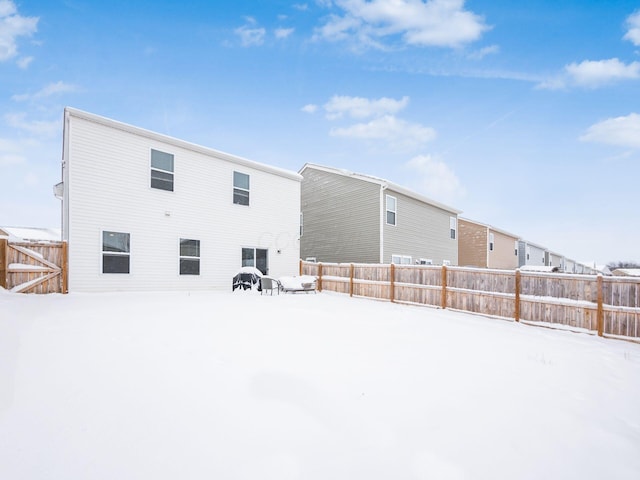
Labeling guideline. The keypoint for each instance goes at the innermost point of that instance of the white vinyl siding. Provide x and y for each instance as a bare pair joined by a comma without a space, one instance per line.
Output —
106,179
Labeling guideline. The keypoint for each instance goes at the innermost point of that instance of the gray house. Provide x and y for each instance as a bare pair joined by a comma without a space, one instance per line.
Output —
350,217
531,254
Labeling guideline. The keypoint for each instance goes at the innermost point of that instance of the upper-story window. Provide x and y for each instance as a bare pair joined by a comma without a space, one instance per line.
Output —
240,188
516,247
189,257
301,224
115,252
453,226
161,170
391,210
491,242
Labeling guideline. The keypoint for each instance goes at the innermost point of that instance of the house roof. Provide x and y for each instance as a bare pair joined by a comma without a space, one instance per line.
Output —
533,244
491,227
181,143
31,233
627,272
385,184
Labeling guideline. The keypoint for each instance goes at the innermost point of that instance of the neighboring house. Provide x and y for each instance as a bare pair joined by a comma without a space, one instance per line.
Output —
569,266
30,234
626,272
531,254
481,245
144,211
554,260
350,217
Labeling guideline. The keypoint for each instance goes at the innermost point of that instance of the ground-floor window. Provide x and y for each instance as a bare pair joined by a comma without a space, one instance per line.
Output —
115,252
189,257
401,259
256,257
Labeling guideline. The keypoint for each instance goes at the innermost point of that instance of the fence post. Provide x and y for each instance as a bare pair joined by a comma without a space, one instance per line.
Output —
392,279
300,268
319,277
351,280
65,267
3,262
600,314
518,287
443,300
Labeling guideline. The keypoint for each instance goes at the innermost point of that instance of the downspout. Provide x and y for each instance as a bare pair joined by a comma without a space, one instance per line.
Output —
382,221
488,246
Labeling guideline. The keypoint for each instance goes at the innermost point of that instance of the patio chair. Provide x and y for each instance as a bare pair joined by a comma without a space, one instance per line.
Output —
270,284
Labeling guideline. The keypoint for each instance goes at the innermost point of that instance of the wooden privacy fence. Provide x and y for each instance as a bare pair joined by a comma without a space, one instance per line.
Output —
33,267
607,305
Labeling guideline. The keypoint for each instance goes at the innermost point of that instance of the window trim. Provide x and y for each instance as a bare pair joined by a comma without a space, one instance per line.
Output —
402,258
182,257
104,252
161,170
394,211
241,190
255,257
491,242
453,227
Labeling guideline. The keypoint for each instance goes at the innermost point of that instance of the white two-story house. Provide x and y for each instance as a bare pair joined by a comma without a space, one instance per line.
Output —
144,211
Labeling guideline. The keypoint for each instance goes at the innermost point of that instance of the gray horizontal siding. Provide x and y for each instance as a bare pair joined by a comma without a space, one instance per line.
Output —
341,218
421,231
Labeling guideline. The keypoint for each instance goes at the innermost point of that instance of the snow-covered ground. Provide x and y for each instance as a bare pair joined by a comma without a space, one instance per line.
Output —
241,386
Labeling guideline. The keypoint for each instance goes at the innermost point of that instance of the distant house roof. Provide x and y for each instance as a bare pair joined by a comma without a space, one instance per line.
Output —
531,244
491,227
31,234
383,183
627,272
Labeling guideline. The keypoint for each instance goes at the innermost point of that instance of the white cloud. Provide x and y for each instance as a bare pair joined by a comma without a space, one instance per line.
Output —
619,131
440,23
12,151
483,52
310,108
250,36
435,179
633,34
35,127
301,6
397,132
358,107
12,26
283,32
24,62
49,90
593,74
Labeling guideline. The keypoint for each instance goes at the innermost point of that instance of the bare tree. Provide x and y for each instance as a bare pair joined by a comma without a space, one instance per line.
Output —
620,264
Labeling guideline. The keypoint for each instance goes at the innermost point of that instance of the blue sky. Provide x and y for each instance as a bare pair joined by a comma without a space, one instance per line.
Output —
524,115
